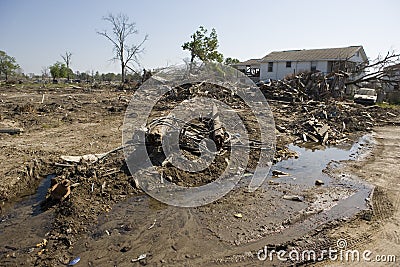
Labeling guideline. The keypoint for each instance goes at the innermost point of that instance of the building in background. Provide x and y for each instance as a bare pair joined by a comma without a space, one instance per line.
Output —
279,64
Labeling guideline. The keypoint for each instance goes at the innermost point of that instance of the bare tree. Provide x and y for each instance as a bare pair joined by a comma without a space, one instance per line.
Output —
67,60
122,30
379,70
45,74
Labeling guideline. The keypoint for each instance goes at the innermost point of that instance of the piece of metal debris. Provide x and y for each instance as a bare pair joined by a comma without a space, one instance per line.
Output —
74,261
141,257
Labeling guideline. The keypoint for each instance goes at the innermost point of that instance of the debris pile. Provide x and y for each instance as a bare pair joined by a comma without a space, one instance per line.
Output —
331,122
306,86
193,135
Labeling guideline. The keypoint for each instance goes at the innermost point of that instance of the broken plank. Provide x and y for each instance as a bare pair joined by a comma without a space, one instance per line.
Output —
217,132
312,137
321,131
11,130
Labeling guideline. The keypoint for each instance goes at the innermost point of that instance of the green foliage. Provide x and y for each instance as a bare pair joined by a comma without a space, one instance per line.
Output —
8,64
60,70
203,47
229,61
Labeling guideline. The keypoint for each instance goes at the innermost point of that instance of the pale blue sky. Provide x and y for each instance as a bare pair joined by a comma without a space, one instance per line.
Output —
37,32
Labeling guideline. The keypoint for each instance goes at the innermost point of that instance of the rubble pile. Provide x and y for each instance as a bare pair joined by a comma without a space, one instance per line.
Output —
306,86
330,122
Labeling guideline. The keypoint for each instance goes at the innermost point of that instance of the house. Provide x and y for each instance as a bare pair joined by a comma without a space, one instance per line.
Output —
279,64
249,67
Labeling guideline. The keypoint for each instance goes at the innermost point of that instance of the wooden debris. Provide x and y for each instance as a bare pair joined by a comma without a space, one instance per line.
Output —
307,85
217,132
280,128
91,158
11,130
294,198
312,137
278,173
321,131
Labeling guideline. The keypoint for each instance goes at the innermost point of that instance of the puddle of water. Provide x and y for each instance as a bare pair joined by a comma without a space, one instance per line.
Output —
25,224
33,201
313,159
27,208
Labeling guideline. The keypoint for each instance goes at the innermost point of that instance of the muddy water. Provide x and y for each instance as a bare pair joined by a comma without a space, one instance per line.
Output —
313,159
25,225
169,235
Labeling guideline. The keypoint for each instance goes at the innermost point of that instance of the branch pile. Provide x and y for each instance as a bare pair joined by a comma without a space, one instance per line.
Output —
306,86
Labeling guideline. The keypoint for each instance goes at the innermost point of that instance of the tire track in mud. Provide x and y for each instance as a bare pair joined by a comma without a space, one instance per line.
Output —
382,206
379,235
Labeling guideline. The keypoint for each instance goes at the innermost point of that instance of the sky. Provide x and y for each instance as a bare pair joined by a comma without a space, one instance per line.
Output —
37,32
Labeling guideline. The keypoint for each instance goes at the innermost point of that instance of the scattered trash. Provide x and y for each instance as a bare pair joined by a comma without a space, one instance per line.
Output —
74,261
270,182
141,257
61,191
238,215
42,244
151,226
278,173
294,198
103,186
319,182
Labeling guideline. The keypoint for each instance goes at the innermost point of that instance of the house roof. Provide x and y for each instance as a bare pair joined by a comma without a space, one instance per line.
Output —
341,53
253,61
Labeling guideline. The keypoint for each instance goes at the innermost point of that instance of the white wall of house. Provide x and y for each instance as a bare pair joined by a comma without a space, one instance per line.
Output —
280,70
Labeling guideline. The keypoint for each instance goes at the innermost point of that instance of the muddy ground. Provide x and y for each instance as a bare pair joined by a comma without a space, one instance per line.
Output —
108,221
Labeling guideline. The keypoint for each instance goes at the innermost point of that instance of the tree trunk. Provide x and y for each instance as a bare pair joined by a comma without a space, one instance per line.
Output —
123,72
191,62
